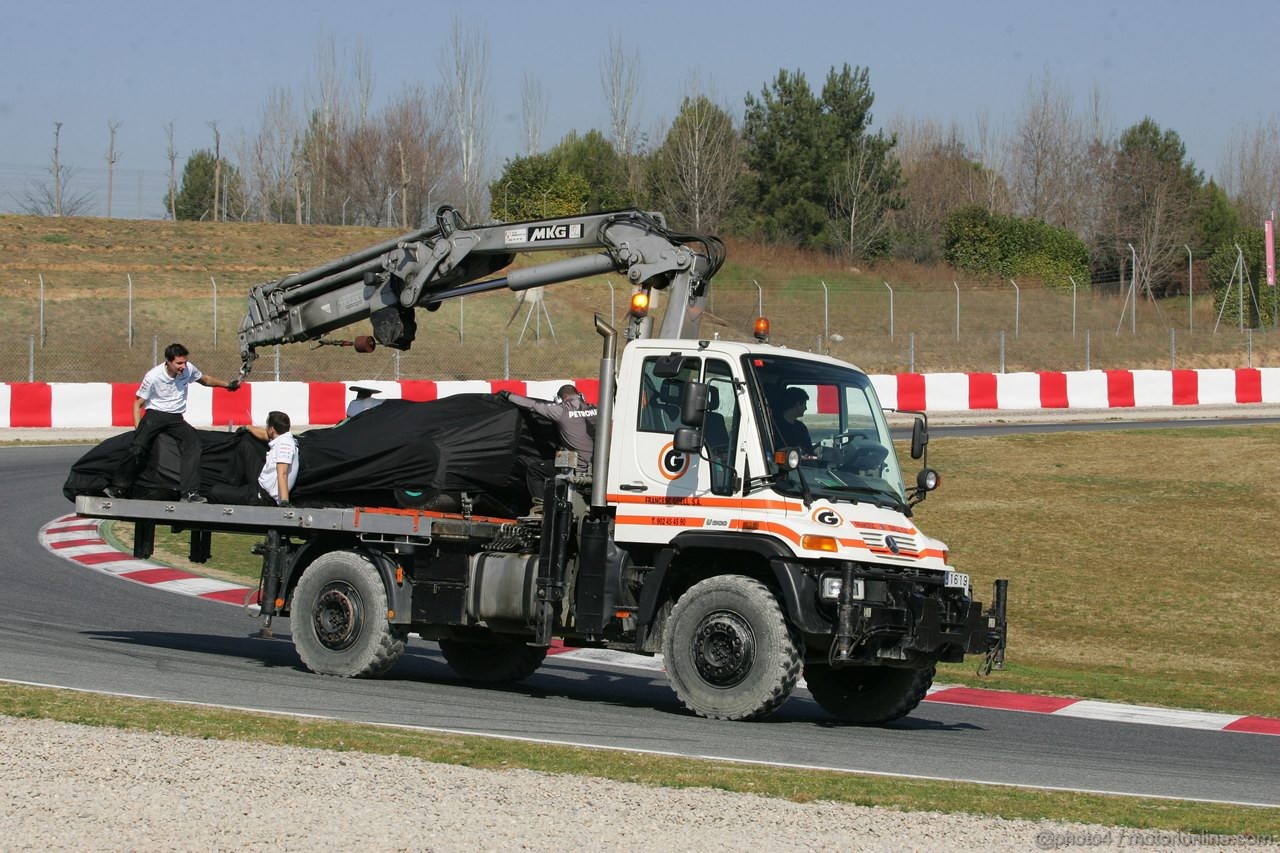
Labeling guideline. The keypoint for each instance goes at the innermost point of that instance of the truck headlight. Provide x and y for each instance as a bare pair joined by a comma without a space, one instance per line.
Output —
829,587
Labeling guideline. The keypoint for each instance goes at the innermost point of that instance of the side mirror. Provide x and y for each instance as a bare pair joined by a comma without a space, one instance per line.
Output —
693,403
919,438
687,440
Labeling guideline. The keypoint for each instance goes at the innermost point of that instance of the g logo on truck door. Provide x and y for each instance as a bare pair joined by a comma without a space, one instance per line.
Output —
672,464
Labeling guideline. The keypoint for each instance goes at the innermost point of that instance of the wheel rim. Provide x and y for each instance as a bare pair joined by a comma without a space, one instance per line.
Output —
724,648
338,616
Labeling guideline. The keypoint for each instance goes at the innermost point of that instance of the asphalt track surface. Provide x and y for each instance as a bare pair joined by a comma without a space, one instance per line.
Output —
65,625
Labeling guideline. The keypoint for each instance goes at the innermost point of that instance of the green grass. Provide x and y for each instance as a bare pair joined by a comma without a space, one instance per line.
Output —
797,785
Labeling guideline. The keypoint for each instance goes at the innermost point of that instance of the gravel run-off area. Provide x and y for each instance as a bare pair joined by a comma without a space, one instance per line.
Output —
69,787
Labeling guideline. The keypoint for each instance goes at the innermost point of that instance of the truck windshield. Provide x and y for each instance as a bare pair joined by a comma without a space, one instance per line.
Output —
831,415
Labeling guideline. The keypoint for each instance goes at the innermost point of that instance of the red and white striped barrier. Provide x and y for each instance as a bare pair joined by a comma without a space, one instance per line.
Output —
103,404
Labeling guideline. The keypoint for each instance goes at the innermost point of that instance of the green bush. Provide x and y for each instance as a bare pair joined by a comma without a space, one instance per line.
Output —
983,243
1259,300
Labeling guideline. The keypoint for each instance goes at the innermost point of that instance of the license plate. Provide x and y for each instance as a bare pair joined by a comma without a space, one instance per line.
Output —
958,580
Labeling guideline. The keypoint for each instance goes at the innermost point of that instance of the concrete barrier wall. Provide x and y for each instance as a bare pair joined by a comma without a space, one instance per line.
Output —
102,404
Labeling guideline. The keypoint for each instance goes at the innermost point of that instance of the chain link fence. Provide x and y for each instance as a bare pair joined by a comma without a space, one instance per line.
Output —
72,327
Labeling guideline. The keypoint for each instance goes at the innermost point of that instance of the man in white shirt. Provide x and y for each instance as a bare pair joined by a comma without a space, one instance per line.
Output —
279,469
163,395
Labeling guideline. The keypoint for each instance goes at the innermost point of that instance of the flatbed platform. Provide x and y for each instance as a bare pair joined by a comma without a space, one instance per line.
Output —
371,521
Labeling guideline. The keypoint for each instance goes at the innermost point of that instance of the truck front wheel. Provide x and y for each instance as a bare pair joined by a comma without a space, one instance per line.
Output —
339,619
728,650
493,662
868,694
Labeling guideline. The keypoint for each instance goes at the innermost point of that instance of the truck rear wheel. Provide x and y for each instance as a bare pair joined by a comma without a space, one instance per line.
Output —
497,661
339,619
868,694
728,650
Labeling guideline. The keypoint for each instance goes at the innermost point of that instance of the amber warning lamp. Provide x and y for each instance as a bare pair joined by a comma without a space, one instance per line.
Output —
762,329
640,304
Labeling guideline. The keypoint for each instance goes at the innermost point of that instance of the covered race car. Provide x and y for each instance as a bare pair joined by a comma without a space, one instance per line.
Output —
433,455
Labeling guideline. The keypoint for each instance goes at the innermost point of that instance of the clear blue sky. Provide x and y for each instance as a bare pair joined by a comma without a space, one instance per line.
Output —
1196,67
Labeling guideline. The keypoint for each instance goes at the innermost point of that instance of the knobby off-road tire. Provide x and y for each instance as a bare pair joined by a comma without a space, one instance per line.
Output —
728,649
339,619
868,694
492,662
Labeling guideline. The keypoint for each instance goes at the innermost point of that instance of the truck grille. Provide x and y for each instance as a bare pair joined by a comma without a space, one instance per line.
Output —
908,546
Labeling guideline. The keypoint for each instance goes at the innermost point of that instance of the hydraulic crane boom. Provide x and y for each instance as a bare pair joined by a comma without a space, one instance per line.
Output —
387,282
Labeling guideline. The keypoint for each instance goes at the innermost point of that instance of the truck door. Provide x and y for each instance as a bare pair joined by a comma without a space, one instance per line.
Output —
664,489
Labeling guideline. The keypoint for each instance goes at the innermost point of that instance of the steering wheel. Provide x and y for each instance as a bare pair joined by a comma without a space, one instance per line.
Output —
868,456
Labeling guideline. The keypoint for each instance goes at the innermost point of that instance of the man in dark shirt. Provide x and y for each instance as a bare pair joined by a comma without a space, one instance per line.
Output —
791,430
575,421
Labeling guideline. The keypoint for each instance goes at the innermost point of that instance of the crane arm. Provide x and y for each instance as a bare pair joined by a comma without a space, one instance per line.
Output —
387,282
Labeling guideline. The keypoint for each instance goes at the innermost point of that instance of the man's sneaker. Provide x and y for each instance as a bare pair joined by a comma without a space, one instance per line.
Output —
116,492
194,498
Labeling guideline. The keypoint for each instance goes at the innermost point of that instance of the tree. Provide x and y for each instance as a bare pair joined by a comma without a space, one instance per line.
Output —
783,141
113,157
1216,219
696,173
940,176
537,187
604,170
465,70
172,153
819,177
195,198
41,199
533,113
1047,152
1155,192
1250,169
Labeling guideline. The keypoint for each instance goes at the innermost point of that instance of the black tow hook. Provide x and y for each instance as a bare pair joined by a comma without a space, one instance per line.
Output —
997,628
842,648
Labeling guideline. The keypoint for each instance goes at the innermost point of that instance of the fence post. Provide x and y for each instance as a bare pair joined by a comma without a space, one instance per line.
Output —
42,335
612,311
1002,350
759,298
215,311
1249,339
911,350
886,284
155,347
397,368
1087,354
462,320
1173,348
957,287
277,359
1191,293
826,313
31,358
506,349
1073,305
1017,306
130,277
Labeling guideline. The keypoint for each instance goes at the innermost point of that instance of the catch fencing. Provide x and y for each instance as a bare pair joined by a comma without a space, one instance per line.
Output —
62,328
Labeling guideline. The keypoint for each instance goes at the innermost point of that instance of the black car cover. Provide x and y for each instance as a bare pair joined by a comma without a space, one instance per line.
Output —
400,453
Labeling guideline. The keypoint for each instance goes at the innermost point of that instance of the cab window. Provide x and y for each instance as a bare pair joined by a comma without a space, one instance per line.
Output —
660,395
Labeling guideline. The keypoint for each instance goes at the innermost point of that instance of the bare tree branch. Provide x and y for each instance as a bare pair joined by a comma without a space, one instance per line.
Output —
465,69
533,111
113,157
